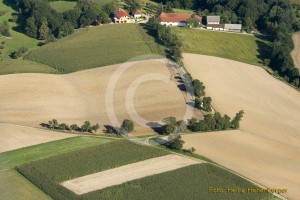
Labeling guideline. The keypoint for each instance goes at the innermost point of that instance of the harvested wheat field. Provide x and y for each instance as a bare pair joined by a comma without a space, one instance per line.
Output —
296,51
127,173
15,137
30,99
267,147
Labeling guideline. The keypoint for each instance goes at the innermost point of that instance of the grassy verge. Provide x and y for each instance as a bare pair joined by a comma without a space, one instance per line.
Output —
61,6
244,48
97,46
24,66
11,159
191,182
15,186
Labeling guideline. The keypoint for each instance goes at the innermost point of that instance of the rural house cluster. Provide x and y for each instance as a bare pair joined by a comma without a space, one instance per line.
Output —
177,19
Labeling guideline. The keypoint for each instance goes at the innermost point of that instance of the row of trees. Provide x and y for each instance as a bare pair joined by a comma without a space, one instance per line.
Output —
211,122
86,127
42,21
201,101
126,127
215,122
167,38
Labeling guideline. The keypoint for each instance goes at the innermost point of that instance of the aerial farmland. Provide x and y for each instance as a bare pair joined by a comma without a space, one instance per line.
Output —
154,100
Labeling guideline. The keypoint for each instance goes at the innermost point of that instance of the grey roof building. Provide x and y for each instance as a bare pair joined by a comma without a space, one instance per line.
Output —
233,27
213,19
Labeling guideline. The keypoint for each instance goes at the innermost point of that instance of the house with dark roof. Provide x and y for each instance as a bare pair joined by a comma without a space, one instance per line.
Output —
175,19
215,27
121,16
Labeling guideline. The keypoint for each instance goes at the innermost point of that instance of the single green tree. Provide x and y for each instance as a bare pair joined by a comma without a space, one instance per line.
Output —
4,29
95,127
175,143
31,28
86,127
235,123
44,30
127,125
74,127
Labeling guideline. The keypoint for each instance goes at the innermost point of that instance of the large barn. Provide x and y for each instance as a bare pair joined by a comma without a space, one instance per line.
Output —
174,19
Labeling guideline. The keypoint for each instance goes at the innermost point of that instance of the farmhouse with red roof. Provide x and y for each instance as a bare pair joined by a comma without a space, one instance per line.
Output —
174,19
121,16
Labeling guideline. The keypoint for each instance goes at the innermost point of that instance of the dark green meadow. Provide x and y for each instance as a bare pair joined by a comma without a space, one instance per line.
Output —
96,47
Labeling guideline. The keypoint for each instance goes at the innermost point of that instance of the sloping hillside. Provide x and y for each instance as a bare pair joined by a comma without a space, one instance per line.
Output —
97,46
266,149
31,99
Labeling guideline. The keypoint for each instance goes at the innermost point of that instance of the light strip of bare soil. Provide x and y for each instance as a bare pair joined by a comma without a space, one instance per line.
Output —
127,173
296,51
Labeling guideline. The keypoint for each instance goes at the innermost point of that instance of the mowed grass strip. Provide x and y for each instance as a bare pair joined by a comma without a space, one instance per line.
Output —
15,186
192,182
48,173
10,66
240,47
61,6
11,159
103,2
97,46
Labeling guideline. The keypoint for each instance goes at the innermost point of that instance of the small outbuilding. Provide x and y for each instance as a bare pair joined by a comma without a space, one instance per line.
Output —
233,27
213,19
137,14
216,27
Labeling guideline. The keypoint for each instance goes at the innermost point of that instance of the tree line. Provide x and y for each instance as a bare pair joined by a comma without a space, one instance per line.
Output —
127,126
42,21
167,38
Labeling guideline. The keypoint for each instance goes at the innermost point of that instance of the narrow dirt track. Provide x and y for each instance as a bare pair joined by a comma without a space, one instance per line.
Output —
127,173
296,51
267,147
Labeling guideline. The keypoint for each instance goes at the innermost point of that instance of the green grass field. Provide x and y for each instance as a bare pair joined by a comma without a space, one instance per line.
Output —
24,66
11,159
15,186
61,6
49,172
95,47
182,11
103,2
190,183
244,48
186,183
